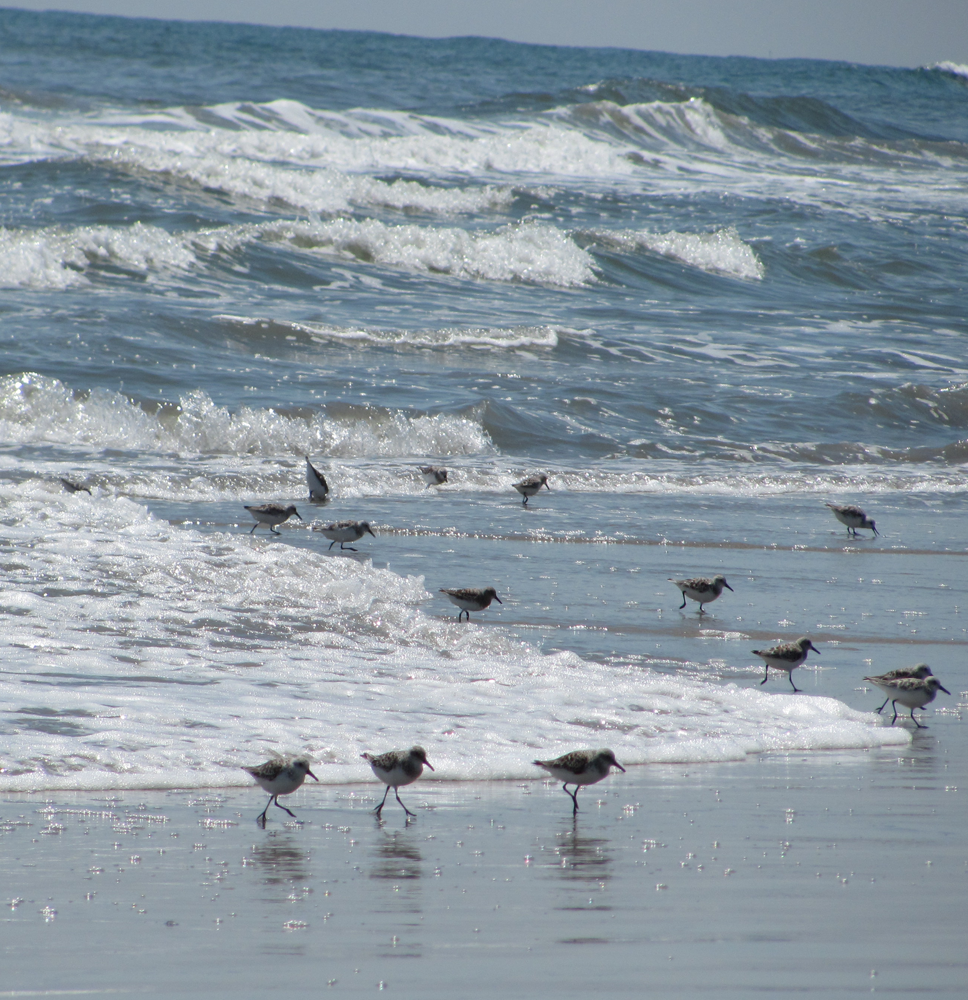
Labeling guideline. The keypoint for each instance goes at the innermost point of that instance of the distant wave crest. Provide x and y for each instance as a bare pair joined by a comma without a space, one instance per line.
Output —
952,68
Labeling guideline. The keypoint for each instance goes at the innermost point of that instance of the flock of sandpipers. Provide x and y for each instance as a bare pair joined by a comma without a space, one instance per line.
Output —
913,687
282,776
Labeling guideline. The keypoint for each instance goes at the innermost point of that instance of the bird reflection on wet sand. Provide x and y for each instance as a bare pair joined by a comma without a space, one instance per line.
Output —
280,860
579,858
397,857
397,861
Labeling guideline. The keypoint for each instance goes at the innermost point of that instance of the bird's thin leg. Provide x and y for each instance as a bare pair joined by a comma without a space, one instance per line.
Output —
262,815
795,688
281,806
702,610
405,809
574,796
254,526
343,545
915,721
463,611
767,677
886,700
525,501
273,530
894,703
681,606
331,544
379,808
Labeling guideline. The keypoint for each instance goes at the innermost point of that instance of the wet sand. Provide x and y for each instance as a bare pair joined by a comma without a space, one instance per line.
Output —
830,874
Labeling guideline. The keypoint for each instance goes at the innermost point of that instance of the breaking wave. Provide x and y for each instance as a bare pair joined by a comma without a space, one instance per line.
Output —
36,408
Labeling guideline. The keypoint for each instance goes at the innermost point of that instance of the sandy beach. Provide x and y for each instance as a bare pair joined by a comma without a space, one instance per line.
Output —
827,874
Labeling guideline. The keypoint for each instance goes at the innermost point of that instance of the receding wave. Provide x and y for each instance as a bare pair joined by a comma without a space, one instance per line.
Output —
203,650
36,408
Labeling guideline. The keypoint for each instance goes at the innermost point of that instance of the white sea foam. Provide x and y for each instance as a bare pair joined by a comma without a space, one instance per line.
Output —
721,252
56,258
492,337
526,252
36,408
313,189
285,155
164,657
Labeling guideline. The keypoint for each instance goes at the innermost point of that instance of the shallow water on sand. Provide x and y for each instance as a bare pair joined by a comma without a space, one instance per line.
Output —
783,875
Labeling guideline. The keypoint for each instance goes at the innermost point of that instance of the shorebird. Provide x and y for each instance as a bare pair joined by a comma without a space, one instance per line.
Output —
396,768
280,777
885,681
853,517
912,693
343,532
701,589
433,475
787,656
316,481
271,514
470,599
72,487
580,767
531,484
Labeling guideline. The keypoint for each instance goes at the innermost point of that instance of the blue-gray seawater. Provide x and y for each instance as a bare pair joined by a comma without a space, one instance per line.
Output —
703,295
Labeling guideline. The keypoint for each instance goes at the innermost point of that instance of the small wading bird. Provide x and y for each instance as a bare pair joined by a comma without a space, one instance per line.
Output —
580,767
316,481
886,681
470,599
72,487
530,485
853,517
396,768
280,777
433,475
271,514
343,532
912,693
701,589
787,656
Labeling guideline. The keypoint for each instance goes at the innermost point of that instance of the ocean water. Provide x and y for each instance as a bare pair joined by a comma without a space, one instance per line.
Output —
704,295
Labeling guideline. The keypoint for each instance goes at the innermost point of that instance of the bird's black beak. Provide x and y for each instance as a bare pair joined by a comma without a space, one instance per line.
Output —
547,487
619,766
942,688
498,599
368,529
727,586
299,515
428,764
311,775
